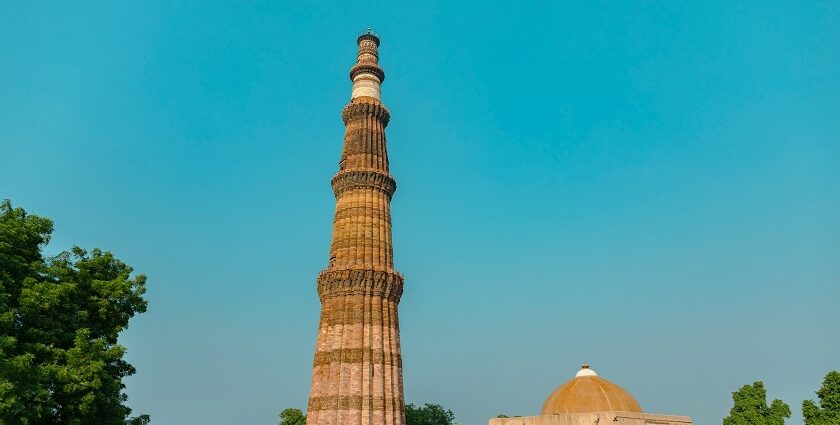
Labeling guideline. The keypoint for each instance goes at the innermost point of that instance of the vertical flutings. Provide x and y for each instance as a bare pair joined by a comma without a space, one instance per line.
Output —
357,370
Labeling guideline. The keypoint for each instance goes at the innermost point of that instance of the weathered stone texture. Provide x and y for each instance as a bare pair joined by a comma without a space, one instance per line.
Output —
357,369
607,417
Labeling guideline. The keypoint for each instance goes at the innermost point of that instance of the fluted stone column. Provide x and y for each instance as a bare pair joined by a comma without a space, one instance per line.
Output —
357,371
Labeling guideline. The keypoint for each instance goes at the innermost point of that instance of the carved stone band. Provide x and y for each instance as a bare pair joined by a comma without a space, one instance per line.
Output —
347,180
376,110
355,402
367,68
354,312
362,211
370,50
364,355
336,283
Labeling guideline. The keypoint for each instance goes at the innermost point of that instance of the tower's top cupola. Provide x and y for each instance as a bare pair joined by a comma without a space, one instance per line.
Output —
368,34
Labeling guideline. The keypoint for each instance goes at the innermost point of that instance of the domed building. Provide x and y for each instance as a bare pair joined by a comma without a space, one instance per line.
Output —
588,399
586,393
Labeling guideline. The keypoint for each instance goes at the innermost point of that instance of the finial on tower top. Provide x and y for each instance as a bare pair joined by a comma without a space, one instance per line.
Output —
368,34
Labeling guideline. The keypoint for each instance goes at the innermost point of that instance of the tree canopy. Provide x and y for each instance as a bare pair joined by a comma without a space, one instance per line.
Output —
292,417
750,407
60,317
429,414
828,410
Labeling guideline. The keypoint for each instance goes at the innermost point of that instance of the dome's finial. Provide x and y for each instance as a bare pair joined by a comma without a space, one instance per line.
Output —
585,371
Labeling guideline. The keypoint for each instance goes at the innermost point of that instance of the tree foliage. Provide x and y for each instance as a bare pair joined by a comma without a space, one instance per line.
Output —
60,317
750,407
828,410
292,417
429,414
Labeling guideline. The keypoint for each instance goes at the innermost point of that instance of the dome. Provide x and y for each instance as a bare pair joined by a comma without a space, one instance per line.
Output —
587,393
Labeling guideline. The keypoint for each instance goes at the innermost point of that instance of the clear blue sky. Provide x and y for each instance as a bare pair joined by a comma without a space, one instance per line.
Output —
650,187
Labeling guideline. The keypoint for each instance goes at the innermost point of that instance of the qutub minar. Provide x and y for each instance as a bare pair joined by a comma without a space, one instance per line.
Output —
357,371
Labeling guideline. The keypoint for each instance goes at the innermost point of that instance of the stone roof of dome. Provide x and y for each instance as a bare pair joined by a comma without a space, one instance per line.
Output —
587,393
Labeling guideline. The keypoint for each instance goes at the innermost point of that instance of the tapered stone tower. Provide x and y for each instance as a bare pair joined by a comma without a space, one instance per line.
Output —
357,372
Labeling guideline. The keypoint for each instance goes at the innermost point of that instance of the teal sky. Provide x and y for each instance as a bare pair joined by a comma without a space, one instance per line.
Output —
651,187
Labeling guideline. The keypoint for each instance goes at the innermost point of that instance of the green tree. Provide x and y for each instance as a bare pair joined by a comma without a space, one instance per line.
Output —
828,411
750,407
59,322
292,417
429,414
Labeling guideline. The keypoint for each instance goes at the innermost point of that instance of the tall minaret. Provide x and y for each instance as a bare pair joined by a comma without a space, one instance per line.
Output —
357,372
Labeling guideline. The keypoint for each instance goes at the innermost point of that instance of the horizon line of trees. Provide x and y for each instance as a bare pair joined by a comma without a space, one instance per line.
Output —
749,407
428,414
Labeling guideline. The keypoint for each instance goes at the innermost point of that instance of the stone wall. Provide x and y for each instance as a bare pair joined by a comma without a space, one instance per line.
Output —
597,418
